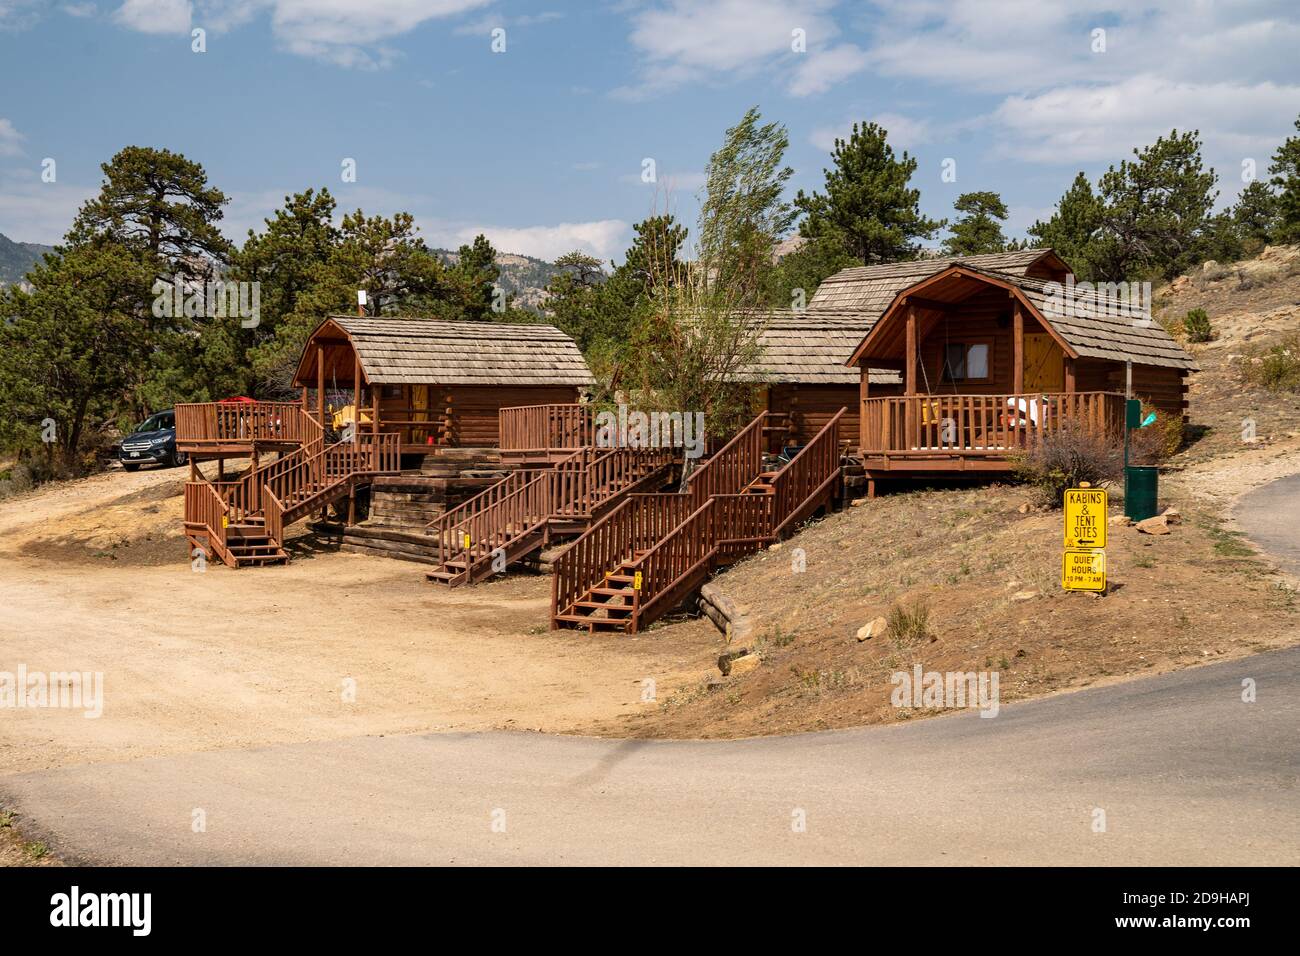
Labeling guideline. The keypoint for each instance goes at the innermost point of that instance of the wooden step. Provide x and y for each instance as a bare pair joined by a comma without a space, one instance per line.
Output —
592,623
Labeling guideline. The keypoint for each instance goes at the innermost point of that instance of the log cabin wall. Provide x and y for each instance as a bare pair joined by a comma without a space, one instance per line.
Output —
810,407
984,317
1161,387
458,416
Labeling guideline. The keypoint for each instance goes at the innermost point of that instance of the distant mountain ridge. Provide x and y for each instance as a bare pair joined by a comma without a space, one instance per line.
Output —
17,257
523,277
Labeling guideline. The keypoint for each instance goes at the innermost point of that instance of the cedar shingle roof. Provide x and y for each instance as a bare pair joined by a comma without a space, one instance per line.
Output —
870,289
395,350
1097,326
808,349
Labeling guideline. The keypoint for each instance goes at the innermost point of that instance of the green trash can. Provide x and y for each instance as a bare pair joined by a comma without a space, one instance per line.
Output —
1140,487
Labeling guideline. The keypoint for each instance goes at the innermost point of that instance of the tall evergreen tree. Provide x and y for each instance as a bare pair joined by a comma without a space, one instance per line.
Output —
1255,215
1073,227
1286,177
1157,210
474,279
979,230
867,206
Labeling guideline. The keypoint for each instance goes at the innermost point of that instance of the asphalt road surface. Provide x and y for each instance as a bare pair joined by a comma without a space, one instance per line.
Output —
1270,516
1174,769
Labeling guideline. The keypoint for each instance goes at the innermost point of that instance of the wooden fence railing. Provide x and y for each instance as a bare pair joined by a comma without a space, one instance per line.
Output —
636,525
734,466
806,475
575,488
240,422
541,427
979,425
204,507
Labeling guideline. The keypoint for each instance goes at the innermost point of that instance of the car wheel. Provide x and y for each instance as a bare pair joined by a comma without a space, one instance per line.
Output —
179,458
130,467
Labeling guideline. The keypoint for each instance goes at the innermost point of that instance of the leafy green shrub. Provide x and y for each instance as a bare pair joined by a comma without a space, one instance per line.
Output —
1067,456
1197,326
1159,440
1276,368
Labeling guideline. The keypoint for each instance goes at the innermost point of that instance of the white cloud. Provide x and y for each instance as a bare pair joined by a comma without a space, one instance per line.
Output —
81,10
155,16
682,41
35,211
346,32
819,70
1079,124
10,139
904,132
604,238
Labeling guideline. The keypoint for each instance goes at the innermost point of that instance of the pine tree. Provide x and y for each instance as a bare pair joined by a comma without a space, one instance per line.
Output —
1286,177
1072,229
979,230
868,207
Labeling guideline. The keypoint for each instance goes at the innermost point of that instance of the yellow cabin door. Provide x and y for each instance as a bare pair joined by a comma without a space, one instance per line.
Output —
1044,364
419,413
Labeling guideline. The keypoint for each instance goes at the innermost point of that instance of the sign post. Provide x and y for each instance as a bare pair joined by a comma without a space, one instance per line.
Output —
1083,563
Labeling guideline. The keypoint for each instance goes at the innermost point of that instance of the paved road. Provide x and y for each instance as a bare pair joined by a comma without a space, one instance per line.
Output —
1270,516
1185,771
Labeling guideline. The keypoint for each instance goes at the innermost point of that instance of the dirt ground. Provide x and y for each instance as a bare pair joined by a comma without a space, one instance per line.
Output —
96,580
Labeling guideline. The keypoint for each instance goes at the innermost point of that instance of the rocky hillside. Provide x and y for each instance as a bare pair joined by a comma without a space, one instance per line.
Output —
17,257
521,276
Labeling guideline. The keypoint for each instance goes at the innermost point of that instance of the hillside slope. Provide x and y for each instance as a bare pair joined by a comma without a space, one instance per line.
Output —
17,257
986,564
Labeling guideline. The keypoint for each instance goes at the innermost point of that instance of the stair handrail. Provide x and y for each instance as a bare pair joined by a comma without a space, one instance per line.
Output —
805,473
204,506
733,466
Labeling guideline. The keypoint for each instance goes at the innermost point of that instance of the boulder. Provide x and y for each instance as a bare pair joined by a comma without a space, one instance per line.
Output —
1024,595
1157,525
1122,520
743,665
873,628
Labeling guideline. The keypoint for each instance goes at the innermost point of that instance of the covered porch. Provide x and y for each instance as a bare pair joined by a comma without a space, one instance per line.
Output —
985,377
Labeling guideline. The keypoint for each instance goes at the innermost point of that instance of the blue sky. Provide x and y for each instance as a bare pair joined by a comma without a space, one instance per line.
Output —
542,146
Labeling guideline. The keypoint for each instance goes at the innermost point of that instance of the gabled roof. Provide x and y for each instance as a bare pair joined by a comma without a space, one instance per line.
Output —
1087,324
870,289
396,350
807,349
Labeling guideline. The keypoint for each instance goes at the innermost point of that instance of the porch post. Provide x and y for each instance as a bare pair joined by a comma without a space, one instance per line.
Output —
1018,350
1070,381
320,385
356,398
864,392
909,379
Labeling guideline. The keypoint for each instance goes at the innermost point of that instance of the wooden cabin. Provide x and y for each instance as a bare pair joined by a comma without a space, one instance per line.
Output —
437,384
804,377
992,356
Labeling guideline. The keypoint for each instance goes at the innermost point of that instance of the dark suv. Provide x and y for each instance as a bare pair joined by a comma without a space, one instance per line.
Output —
154,440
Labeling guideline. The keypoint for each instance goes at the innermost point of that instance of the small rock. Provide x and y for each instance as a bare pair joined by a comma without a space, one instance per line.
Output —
1122,521
726,658
775,547
713,683
1173,515
1157,525
858,502
1025,508
1024,595
872,629
744,664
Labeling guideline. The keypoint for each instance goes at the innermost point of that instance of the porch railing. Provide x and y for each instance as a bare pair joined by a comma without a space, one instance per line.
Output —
981,425
215,422
541,427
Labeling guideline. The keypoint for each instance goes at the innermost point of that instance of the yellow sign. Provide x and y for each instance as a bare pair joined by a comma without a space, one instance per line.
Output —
466,540
1083,569
225,522
1085,518
636,581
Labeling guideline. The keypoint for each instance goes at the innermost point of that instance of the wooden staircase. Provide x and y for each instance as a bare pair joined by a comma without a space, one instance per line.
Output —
242,522
523,512
653,551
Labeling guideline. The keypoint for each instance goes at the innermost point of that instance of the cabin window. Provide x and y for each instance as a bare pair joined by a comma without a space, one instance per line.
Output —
966,362
392,391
